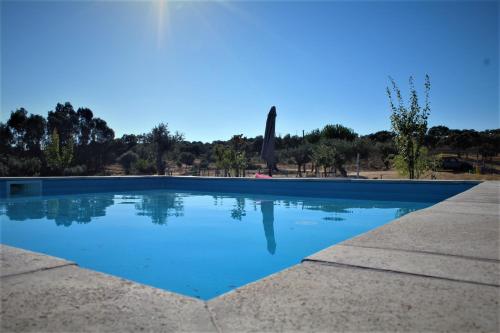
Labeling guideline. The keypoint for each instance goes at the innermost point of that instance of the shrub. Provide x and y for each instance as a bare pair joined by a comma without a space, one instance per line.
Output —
421,164
127,159
4,169
143,167
77,170
204,163
186,158
18,167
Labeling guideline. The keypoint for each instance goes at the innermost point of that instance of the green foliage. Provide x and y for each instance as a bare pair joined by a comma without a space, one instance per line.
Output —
186,158
288,142
29,147
338,132
222,160
52,151
204,163
4,169
227,159
386,152
300,156
18,167
17,125
436,135
127,159
77,170
381,136
162,141
237,142
463,141
323,155
239,163
67,153
143,167
422,164
64,119
58,158
409,124
313,137
343,151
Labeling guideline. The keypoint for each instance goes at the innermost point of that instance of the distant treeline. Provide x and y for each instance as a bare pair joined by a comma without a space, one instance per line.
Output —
75,142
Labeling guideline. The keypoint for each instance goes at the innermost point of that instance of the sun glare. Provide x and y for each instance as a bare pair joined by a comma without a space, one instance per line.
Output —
162,21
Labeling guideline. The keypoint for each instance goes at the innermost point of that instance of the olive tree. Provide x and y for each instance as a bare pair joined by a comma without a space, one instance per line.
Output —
301,155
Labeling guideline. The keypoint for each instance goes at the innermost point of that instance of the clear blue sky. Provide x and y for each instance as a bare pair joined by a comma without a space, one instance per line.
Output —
213,69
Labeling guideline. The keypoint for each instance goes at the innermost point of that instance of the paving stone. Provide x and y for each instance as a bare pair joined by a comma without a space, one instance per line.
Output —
471,270
314,297
16,261
443,233
486,192
462,207
70,299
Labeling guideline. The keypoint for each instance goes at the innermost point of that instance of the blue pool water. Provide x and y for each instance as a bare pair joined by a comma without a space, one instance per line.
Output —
197,244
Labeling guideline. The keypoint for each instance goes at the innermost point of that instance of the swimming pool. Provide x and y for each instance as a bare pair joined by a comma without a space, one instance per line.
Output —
197,243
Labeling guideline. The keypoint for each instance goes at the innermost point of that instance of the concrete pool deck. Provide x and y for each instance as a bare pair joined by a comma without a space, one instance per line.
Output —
437,269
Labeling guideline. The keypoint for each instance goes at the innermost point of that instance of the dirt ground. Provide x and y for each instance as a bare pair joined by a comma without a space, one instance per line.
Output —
393,174
289,171
382,174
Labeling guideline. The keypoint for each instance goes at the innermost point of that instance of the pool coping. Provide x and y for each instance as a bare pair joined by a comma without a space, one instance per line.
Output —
307,179
382,254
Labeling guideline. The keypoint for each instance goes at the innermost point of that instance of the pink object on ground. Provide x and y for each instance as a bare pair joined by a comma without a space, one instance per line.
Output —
261,176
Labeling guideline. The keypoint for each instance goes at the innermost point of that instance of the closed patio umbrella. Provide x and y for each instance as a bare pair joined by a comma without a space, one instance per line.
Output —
267,152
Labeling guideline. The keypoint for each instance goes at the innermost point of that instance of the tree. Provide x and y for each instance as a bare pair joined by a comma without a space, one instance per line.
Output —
256,146
291,141
381,136
163,141
17,125
186,158
99,148
313,137
300,155
436,135
239,163
223,158
323,156
65,120
35,133
127,159
342,151
53,151
386,151
422,164
58,157
86,125
338,132
409,123
237,142
6,138
462,141
490,143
